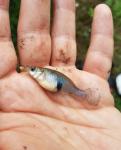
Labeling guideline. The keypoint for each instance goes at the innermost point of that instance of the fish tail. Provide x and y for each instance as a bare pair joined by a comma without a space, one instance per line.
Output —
75,91
82,93
91,95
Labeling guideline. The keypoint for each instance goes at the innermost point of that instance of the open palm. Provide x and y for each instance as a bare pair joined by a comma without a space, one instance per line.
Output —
32,118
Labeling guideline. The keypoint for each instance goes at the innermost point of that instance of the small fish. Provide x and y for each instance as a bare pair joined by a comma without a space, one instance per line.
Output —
54,81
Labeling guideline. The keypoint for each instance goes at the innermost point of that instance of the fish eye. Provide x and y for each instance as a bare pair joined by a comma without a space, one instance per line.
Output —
33,69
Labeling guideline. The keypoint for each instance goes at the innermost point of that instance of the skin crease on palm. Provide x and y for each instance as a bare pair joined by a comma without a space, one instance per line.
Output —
32,118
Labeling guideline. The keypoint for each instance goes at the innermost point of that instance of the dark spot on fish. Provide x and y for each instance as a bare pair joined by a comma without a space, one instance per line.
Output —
25,147
59,85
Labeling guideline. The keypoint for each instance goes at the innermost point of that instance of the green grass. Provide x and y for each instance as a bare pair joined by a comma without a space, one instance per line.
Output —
117,101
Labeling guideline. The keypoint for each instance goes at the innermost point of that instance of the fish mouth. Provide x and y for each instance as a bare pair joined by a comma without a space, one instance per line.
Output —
24,69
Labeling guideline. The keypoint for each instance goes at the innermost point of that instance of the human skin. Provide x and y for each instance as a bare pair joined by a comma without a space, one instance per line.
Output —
32,118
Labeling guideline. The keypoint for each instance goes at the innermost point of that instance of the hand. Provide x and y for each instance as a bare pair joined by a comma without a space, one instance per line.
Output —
32,118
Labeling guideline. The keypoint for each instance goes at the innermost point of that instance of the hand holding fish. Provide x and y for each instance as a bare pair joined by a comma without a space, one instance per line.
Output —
52,105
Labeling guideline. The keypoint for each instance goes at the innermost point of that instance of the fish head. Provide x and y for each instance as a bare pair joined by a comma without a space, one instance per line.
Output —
35,72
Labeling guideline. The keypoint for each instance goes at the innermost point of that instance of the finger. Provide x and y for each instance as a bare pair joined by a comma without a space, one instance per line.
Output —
7,53
63,33
33,32
99,57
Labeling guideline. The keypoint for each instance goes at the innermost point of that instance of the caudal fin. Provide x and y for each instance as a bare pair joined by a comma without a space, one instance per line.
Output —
91,95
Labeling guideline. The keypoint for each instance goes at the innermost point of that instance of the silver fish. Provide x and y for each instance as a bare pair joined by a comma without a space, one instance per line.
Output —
55,81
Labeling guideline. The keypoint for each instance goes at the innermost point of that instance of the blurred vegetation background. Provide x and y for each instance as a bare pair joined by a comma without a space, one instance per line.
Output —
84,15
